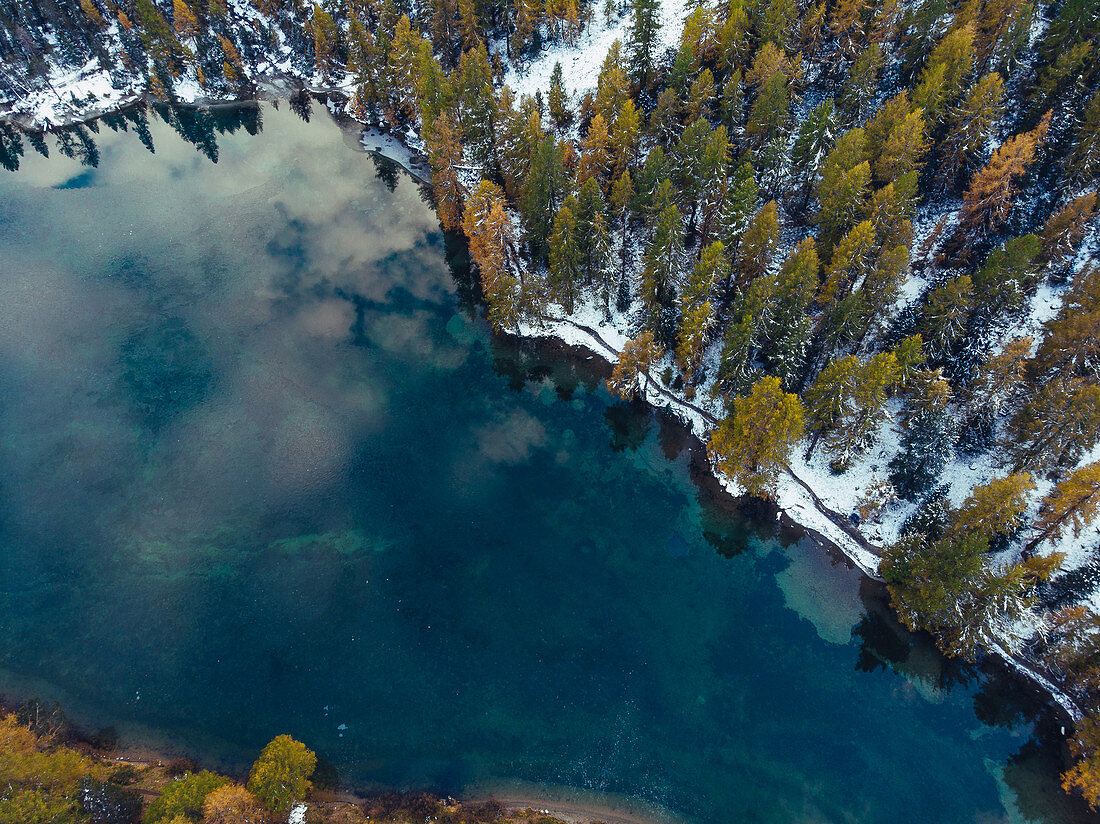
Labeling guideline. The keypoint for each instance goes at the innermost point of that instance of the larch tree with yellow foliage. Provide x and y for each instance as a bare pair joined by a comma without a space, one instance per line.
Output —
752,444
492,247
992,192
631,372
1073,503
444,156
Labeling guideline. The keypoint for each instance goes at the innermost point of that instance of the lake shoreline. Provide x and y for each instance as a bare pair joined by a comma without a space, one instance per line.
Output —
666,400
519,799
1063,706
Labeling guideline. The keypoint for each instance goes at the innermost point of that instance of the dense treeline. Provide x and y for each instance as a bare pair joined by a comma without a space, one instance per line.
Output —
832,216
46,779
51,775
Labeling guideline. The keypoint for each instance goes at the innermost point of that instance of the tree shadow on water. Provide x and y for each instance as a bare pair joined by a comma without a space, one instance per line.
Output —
629,423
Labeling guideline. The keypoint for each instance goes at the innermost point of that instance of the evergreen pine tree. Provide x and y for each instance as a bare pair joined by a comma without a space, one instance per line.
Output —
660,272
566,259
996,509
1066,228
558,99
492,247
1083,159
970,124
1056,425
645,25
1001,282
945,314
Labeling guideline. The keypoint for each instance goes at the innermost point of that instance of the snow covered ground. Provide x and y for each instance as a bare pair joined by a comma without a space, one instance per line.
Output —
581,61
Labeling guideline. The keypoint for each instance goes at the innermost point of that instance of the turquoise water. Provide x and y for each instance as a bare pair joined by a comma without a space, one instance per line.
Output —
264,470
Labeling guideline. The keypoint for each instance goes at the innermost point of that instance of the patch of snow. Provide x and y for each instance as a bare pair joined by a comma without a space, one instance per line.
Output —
581,60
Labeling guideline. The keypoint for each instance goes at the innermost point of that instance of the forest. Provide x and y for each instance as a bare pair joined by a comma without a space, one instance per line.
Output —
845,226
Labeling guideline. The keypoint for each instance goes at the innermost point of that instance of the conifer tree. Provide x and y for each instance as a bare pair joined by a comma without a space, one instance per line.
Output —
860,89
492,247
1006,274
402,69
758,243
612,85
1002,31
770,111
943,78
995,509
970,124
92,14
441,25
1074,502
528,16
753,444
928,434
904,149
992,192
565,257
364,65
475,106
664,121
558,99
1065,229
784,333
622,197
183,19
1083,159
944,586
851,261
844,186
469,26
775,21
891,210
1084,775
326,42
624,137
1073,648
596,157
847,26
815,137
997,379
696,321
645,25
631,372
1071,347
847,403
433,86
592,236
543,191
444,155
701,96
714,184
687,161
1055,426
660,271
742,198
945,315
732,104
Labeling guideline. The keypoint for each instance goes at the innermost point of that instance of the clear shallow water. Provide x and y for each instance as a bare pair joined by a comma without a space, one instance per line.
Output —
263,471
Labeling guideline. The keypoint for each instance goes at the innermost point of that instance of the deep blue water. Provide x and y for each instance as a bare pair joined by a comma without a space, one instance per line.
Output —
263,469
